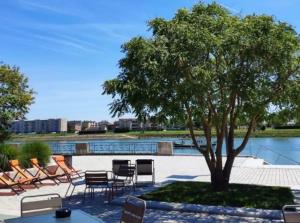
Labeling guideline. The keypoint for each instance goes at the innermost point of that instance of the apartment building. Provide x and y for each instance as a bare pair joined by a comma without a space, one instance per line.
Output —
88,125
129,123
39,126
74,126
153,126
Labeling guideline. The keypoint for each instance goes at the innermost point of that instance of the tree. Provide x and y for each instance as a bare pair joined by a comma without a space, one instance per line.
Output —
208,65
15,97
280,118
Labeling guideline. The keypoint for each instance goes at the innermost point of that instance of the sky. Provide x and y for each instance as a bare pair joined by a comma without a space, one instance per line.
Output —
68,48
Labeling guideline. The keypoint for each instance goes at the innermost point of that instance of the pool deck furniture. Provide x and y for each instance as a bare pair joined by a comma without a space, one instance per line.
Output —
74,181
7,182
291,213
133,210
23,174
98,179
65,166
246,170
125,177
40,204
77,216
43,172
145,167
116,163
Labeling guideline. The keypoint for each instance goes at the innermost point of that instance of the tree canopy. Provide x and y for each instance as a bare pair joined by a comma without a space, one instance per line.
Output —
208,65
15,97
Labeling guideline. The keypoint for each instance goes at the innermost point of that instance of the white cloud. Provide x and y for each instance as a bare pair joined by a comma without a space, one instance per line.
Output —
38,6
229,8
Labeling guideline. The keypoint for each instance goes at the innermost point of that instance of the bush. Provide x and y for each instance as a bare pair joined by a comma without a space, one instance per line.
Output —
287,127
38,150
7,152
263,128
121,130
88,132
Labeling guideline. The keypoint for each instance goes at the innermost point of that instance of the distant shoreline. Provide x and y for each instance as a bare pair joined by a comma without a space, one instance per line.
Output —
147,134
69,137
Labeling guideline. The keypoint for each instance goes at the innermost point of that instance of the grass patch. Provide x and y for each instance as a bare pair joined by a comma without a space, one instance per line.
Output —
269,132
238,195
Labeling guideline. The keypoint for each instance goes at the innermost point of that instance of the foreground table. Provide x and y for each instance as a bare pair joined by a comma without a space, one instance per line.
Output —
77,216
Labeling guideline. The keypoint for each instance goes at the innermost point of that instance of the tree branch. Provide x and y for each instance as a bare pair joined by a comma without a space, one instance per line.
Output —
246,138
191,128
207,133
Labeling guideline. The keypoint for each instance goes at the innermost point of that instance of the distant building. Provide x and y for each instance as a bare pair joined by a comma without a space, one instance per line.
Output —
18,126
129,123
39,126
105,125
88,124
74,126
153,126
57,125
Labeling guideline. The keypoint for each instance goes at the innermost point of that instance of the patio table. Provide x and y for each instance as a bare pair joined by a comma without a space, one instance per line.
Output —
77,216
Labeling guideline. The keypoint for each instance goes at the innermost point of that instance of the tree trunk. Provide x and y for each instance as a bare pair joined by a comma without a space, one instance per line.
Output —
219,181
220,178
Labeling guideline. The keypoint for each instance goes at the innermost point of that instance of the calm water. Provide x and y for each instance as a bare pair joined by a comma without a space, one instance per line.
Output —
272,150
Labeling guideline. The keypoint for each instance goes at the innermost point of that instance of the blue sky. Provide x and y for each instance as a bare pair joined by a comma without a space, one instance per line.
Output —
68,49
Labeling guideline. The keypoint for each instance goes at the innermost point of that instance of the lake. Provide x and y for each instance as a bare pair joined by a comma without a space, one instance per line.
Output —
281,151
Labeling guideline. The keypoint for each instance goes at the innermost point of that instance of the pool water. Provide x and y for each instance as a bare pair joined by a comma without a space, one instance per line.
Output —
285,151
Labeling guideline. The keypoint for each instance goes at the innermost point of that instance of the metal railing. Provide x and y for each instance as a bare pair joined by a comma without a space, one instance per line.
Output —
151,148
62,148
107,148
278,155
123,148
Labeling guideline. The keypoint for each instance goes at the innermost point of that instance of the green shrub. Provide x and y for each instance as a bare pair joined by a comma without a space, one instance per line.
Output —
38,150
7,152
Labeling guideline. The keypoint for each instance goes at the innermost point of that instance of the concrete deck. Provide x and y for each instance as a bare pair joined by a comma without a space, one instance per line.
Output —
168,168
245,170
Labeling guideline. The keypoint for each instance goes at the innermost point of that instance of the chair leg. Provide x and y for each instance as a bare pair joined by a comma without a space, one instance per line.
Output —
108,194
53,180
39,180
57,182
34,184
72,191
16,191
68,190
84,192
112,193
136,178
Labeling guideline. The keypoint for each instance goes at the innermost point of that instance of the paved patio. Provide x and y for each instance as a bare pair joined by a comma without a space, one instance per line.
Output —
112,213
168,168
246,170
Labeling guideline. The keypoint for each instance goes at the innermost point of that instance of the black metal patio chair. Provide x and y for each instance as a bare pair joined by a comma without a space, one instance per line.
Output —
145,167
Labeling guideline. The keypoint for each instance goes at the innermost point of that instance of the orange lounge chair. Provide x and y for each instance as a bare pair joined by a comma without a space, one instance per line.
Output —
65,166
43,173
23,174
7,182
